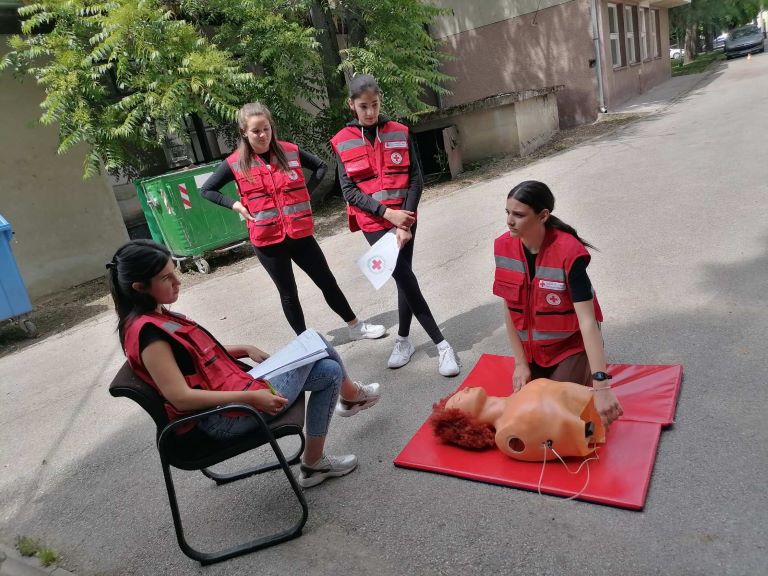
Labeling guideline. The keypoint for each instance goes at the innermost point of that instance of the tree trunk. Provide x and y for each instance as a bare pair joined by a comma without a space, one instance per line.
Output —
691,32
335,83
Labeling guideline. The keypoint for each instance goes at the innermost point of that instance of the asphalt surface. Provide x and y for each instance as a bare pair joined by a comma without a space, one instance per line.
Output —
676,204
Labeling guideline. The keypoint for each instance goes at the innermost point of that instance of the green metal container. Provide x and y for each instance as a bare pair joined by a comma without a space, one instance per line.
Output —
188,224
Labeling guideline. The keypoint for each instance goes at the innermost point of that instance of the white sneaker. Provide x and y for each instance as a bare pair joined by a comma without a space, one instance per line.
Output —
363,330
401,353
326,467
448,363
367,395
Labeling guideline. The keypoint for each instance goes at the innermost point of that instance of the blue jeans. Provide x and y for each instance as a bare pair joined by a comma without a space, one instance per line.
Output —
322,378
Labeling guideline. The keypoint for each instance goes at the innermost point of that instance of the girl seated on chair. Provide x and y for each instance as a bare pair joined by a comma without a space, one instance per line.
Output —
192,371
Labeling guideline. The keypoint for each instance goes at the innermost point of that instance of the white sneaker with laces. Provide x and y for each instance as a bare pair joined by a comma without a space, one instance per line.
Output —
363,330
367,395
326,467
401,353
448,363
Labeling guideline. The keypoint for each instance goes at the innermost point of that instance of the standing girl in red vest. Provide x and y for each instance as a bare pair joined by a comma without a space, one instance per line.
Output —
551,312
192,371
274,201
381,182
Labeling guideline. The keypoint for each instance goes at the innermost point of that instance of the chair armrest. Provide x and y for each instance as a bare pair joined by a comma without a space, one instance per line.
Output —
249,410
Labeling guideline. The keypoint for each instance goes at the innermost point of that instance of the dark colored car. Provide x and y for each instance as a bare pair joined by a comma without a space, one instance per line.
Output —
744,40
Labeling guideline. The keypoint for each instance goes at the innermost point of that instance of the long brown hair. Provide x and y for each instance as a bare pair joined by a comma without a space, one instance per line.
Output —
245,161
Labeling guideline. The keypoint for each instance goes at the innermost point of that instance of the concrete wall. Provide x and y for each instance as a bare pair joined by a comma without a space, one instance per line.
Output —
514,124
537,122
65,228
536,49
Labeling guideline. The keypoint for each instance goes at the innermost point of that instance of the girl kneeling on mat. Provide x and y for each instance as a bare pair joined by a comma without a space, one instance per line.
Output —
192,371
551,312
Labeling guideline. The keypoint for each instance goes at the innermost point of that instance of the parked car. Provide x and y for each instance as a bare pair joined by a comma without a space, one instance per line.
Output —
675,52
744,40
719,43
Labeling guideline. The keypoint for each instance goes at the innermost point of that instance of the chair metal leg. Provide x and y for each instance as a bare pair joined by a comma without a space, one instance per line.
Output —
227,478
257,544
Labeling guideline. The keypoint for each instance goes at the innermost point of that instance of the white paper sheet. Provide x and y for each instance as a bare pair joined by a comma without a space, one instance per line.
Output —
379,261
306,348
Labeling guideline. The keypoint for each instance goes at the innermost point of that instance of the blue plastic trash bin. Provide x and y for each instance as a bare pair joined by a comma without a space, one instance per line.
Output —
14,300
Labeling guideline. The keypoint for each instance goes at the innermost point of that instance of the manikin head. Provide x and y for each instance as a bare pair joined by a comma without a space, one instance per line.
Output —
544,417
455,420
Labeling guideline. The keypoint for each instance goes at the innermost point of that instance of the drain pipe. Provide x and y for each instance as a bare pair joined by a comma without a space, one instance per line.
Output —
598,57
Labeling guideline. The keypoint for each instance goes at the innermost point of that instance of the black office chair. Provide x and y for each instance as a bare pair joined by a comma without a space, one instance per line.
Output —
194,450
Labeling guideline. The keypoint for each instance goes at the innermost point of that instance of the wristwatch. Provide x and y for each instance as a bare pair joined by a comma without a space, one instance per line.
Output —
601,376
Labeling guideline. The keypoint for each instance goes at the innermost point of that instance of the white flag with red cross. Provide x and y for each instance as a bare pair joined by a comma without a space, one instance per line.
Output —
185,196
379,261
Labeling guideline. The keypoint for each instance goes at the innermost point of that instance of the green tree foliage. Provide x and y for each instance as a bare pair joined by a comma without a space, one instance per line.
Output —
707,18
121,75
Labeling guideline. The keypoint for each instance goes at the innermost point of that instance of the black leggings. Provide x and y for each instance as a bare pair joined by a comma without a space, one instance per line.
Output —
276,259
410,300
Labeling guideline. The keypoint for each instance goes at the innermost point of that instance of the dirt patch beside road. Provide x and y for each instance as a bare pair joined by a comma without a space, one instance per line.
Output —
65,309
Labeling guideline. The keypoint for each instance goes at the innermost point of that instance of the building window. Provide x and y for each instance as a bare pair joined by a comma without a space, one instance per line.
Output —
654,37
629,34
642,22
613,29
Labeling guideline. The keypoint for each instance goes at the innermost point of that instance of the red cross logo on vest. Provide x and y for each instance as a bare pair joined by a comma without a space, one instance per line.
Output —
396,158
292,175
553,299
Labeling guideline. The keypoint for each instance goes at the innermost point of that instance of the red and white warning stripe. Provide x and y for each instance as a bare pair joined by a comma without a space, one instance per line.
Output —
185,197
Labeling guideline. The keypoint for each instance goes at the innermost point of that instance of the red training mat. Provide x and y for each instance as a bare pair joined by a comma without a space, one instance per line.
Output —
619,478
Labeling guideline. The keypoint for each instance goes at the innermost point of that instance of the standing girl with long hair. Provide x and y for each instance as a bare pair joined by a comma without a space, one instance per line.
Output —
192,371
381,183
275,202
550,309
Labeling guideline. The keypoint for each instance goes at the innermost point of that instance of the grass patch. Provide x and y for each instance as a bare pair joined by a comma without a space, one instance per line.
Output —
702,62
33,547
47,556
27,546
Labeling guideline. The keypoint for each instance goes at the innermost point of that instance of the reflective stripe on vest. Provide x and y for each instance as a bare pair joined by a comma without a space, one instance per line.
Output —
265,215
509,264
349,144
382,195
547,273
291,155
171,326
394,135
300,207
538,336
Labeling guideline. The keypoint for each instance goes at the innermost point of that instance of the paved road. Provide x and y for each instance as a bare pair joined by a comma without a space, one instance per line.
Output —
677,205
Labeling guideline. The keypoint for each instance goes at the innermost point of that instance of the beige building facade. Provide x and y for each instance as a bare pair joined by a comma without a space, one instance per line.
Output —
65,228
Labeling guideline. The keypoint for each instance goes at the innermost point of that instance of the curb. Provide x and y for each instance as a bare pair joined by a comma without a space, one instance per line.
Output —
13,564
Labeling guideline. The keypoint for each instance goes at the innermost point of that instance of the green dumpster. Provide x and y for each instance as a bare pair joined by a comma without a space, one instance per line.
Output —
188,224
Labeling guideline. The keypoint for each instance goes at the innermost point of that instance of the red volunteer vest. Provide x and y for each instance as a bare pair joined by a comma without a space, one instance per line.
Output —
542,310
215,369
279,201
379,170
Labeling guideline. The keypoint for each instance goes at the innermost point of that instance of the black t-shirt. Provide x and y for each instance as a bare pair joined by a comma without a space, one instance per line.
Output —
151,333
578,280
